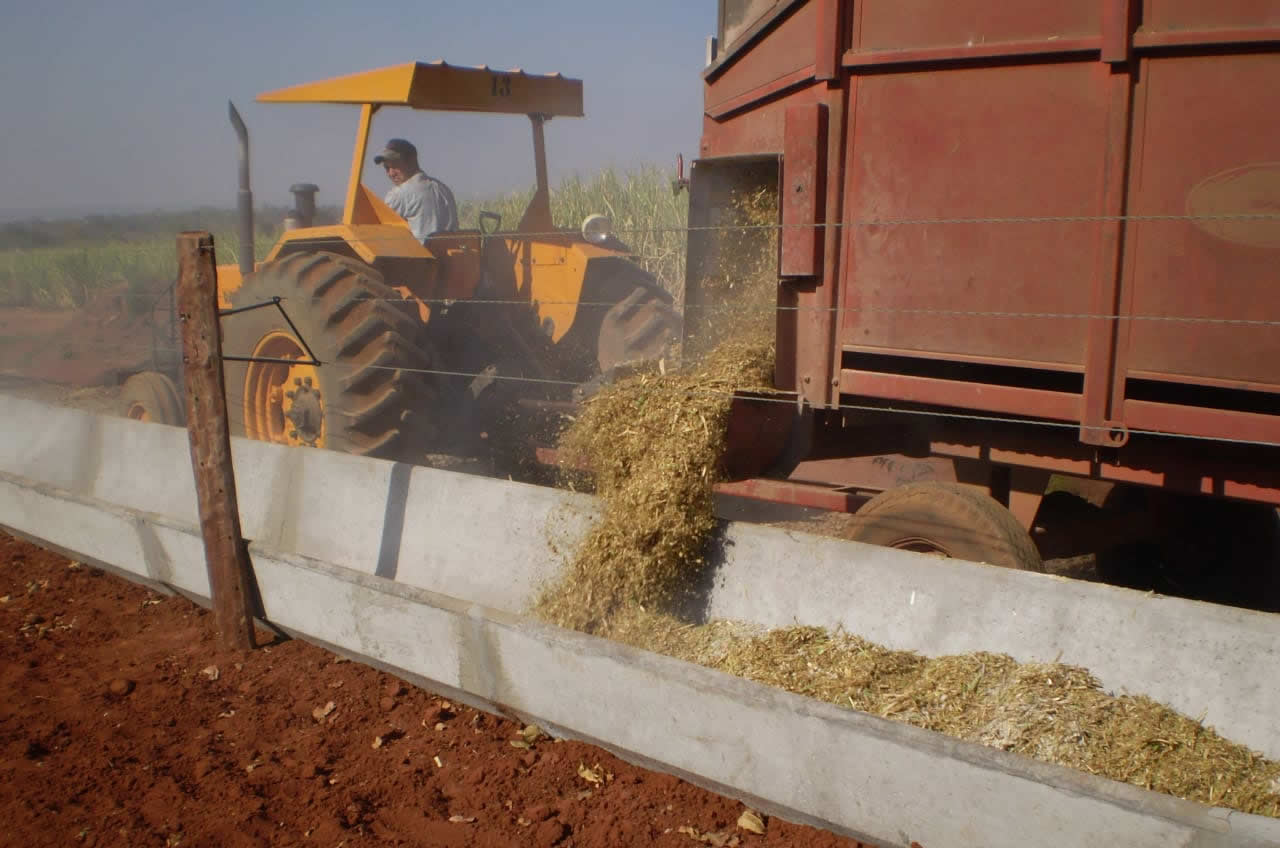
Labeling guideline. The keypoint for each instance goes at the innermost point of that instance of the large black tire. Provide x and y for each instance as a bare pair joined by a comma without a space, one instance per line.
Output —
948,519
624,317
372,397
152,396
637,329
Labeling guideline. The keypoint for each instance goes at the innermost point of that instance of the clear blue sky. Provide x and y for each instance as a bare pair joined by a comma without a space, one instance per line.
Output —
122,106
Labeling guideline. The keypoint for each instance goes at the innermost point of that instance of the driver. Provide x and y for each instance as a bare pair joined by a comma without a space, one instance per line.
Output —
425,202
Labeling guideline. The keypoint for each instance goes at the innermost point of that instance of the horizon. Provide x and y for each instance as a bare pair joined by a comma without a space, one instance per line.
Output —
70,214
116,132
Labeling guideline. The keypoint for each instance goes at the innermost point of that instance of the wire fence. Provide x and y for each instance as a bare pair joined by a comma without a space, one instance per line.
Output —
850,224
14,345
236,395
954,313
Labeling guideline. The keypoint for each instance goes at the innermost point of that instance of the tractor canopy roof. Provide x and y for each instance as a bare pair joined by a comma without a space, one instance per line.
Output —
441,86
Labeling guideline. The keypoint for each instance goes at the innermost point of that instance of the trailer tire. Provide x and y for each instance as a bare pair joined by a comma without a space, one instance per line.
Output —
152,396
947,519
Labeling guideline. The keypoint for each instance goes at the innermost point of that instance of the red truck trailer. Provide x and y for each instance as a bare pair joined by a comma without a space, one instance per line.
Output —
1018,241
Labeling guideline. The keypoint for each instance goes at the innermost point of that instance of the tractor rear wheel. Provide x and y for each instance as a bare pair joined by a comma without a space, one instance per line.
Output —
637,328
946,519
624,317
152,396
368,396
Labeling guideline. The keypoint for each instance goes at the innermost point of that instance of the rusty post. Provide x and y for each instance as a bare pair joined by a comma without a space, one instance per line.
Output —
225,553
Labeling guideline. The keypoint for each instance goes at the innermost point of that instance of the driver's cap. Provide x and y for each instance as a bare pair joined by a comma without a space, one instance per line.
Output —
396,150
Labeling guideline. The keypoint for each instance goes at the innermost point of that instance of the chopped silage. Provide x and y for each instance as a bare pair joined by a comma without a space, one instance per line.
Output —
1051,712
653,444
738,290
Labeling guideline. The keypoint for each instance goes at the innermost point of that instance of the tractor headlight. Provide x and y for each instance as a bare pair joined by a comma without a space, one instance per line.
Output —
597,228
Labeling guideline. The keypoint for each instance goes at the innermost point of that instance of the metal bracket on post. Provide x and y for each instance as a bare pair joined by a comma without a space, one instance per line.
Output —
275,301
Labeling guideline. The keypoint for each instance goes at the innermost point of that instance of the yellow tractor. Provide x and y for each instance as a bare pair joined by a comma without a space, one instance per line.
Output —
358,337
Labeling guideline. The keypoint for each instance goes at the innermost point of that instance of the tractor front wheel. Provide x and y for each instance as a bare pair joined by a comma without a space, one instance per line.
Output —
369,395
152,396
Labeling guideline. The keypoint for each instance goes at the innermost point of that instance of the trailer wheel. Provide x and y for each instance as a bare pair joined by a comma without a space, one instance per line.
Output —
152,396
946,519
369,396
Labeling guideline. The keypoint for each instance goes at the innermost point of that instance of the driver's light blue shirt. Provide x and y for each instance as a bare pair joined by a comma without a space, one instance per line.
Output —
426,203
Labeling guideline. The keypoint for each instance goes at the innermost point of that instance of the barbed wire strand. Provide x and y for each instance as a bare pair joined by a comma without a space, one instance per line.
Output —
962,313
1062,219
546,381
71,353
734,308
474,235
838,407
572,234
762,308
844,407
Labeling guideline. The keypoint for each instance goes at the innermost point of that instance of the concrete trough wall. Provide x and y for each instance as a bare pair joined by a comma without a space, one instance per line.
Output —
423,572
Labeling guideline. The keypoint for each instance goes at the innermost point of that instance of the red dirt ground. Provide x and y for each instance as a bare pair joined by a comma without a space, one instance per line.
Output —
89,346
123,724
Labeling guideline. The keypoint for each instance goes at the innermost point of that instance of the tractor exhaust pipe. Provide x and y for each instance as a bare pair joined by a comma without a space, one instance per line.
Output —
244,197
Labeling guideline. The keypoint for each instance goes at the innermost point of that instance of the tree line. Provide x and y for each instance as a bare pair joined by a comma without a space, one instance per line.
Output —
89,229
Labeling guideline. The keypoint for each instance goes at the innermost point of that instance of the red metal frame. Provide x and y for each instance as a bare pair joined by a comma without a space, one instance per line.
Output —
830,41
1117,29
957,394
834,499
1096,82
763,92
803,190
866,59
1098,426
1211,423
1206,37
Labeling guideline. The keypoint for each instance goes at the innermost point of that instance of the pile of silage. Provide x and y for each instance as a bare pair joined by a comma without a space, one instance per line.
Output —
1051,712
738,285
653,444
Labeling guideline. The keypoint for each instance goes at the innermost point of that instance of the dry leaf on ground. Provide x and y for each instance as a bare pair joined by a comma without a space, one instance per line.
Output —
750,820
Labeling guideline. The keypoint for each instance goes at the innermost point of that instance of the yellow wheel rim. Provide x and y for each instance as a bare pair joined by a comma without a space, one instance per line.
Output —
282,402
138,412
